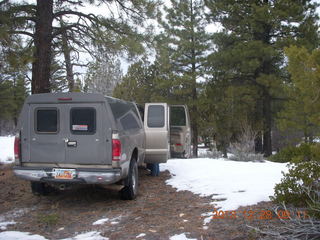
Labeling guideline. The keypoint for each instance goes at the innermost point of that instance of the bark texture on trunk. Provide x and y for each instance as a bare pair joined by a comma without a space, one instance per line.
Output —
69,69
267,144
42,42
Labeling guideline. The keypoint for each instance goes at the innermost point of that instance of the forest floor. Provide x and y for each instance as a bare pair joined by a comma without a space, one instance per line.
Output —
159,212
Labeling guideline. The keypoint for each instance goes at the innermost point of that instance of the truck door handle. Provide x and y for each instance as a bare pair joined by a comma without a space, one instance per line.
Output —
72,143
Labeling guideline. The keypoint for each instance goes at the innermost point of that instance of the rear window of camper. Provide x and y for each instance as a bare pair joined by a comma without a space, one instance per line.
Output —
83,120
47,120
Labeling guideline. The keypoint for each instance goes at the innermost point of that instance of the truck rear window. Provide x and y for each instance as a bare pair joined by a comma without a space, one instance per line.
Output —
83,120
47,120
156,116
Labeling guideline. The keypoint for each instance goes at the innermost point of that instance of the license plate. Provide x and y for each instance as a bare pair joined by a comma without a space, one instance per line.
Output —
59,173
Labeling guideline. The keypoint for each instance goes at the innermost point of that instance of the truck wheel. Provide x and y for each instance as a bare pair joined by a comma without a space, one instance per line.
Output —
40,188
130,190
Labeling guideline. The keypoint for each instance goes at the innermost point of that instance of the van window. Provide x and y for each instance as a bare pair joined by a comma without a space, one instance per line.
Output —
47,120
83,120
129,122
155,116
177,116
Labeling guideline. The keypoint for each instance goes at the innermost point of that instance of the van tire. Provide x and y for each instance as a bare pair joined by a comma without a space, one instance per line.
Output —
40,189
130,189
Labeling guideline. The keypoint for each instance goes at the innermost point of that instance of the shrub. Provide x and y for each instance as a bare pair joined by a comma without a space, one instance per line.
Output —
300,224
244,148
49,219
301,176
304,153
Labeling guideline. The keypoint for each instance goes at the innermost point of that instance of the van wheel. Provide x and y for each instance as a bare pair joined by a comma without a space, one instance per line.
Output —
40,188
130,190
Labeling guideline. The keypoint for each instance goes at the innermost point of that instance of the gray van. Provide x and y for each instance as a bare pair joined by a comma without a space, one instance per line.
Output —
82,138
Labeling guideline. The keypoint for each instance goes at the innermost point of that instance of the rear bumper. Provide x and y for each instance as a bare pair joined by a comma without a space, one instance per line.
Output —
85,176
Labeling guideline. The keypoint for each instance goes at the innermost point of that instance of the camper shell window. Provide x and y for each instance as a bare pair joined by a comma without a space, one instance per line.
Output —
129,122
46,120
83,120
155,116
125,113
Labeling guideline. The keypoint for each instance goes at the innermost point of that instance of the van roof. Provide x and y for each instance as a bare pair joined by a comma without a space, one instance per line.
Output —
65,98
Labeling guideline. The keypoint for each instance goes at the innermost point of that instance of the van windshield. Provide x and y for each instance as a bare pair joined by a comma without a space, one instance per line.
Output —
177,116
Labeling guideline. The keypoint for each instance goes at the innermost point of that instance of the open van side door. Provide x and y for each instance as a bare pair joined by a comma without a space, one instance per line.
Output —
180,131
156,125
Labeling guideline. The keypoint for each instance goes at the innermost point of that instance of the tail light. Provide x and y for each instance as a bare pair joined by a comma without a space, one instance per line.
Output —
178,144
116,147
17,148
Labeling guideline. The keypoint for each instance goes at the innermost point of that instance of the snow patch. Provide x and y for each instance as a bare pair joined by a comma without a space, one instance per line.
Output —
93,235
7,218
181,236
232,184
101,221
14,235
141,235
3,225
6,149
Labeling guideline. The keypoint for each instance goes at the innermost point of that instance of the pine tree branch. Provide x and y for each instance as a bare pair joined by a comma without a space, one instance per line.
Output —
27,8
128,10
25,18
4,2
90,16
23,33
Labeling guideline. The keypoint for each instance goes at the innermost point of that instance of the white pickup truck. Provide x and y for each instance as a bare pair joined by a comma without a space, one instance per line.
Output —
82,138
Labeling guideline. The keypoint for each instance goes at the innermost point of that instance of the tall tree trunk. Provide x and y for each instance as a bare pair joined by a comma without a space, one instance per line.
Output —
258,143
267,144
42,42
194,109
15,112
194,124
67,59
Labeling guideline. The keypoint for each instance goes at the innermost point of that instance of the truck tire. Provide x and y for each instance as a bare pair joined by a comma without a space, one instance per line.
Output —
40,188
130,189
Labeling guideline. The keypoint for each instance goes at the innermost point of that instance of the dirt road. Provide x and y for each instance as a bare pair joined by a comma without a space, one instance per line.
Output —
159,212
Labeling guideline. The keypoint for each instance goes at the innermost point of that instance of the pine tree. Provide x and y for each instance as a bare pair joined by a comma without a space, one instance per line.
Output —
137,85
301,111
102,76
187,42
249,49
14,67
37,23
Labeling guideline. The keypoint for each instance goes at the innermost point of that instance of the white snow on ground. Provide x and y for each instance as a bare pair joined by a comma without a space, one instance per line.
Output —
239,183
202,152
141,235
181,236
3,225
14,235
113,221
7,218
93,235
101,221
6,149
